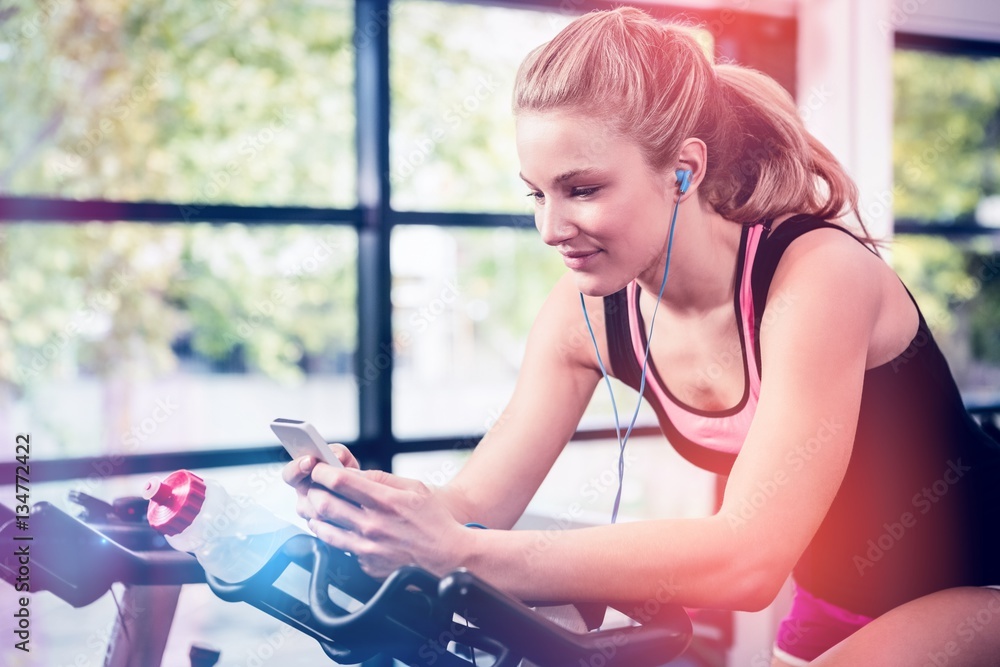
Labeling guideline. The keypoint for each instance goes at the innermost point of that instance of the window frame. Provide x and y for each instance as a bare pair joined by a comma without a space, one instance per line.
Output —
373,219
963,228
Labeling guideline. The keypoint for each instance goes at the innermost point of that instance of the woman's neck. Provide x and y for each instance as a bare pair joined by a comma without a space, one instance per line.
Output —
702,263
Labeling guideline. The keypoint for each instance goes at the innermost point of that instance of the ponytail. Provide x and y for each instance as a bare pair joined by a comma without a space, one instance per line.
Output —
767,163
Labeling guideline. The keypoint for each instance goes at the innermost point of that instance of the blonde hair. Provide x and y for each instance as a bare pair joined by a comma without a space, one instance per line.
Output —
655,84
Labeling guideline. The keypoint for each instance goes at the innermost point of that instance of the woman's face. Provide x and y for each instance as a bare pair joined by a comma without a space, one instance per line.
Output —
596,200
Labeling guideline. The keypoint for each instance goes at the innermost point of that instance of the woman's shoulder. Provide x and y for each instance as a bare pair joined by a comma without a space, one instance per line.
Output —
790,226
806,260
561,326
812,247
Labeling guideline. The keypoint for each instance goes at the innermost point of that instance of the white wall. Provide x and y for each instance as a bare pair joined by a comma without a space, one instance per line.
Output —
964,19
845,93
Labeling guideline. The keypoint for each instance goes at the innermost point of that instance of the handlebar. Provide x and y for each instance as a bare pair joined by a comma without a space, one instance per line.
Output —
413,615
80,561
544,642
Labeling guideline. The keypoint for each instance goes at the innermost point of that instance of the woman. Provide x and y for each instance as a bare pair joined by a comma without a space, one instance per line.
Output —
851,461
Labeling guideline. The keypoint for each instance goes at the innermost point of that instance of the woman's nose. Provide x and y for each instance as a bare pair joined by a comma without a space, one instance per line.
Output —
553,224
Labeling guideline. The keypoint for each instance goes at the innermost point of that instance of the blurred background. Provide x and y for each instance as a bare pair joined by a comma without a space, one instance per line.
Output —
217,213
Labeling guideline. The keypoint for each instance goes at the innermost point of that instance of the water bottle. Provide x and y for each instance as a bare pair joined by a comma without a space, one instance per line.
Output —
231,536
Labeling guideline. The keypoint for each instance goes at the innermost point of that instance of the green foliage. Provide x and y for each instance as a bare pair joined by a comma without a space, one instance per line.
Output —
225,102
954,282
219,102
452,72
985,316
113,299
452,148
946,158
946,144
275,295
934,271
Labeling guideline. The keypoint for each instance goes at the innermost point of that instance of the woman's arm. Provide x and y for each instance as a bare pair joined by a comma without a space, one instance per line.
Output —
814,351
555,384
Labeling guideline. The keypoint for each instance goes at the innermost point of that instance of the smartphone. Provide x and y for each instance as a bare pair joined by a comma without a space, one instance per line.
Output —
302,439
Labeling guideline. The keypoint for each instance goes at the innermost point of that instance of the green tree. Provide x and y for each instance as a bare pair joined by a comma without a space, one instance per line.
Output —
946,144
946,159
224,102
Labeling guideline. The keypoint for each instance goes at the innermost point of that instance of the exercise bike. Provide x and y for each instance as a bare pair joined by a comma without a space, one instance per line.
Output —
412,616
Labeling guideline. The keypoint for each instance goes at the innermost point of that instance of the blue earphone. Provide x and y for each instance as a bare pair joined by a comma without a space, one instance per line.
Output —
683,183
683,179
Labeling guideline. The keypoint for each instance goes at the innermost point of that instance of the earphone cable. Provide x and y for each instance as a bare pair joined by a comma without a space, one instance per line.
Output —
623,440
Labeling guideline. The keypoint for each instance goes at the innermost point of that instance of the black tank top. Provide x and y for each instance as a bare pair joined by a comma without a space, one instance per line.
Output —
918,509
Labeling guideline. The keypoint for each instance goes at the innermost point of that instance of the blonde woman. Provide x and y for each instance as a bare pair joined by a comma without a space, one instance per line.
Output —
852,464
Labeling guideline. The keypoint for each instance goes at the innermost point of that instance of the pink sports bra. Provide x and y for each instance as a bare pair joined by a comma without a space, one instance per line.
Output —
722,431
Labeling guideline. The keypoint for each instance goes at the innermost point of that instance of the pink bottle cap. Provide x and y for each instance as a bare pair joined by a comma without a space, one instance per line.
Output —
175,501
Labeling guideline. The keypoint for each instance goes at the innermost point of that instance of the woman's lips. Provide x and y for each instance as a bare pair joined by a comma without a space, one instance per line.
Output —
577,260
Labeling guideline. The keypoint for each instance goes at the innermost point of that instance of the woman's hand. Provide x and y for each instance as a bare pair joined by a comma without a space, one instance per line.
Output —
384,520
296,472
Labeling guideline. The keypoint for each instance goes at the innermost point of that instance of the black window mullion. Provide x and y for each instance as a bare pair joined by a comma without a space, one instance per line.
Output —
374,356
59,211
956,229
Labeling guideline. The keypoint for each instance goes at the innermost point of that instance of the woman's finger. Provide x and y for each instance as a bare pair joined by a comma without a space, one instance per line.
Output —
395,481
297,470
371,562
370,488
344,455
329,507
335,536
303,507
353,485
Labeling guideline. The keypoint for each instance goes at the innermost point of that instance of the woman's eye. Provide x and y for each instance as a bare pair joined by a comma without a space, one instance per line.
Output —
584,192
538,196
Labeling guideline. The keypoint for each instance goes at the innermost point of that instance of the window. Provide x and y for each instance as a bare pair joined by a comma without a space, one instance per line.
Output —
199,138
165,337
454,149
947,180
220,102
129,338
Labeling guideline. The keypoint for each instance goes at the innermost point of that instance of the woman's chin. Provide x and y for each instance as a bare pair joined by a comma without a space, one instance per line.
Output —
597,286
